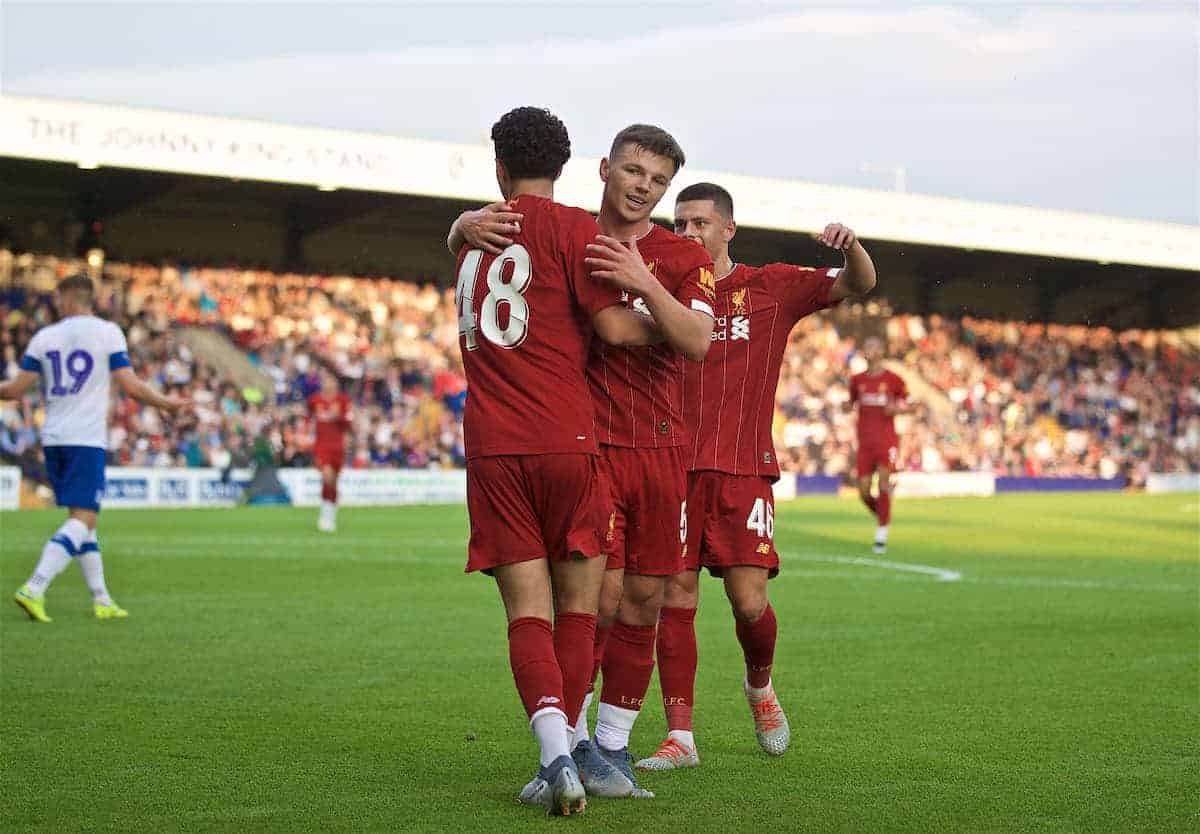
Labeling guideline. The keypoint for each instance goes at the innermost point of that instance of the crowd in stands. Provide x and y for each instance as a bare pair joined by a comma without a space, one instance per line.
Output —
1011,398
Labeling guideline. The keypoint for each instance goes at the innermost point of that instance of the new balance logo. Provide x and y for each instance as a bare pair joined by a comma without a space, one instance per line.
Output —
547,699
764,549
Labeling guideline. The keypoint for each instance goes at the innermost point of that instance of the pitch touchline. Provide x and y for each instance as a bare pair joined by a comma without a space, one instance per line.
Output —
941,574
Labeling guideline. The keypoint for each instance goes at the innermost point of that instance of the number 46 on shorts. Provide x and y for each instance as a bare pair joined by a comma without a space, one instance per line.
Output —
762,519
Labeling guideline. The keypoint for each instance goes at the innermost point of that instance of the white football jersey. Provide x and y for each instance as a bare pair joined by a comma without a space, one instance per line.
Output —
76,358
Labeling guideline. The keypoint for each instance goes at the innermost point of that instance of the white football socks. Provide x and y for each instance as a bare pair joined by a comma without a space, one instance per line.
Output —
881,534
550,729
685,737
613,726
56,554
93,571
581,724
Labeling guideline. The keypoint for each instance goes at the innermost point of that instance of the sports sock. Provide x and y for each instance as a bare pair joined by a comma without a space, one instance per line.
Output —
613,726
574,642
534,666
549,727
628,664
871,504
92,566
329,492
676,653
57,554
684,737
581,722
881,534
885,508
758,646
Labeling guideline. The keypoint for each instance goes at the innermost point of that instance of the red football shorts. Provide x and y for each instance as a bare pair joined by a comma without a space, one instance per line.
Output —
872,456
525,507
731,522
646,530
323,457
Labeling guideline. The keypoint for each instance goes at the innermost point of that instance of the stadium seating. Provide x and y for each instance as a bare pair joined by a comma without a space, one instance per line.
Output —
1012,398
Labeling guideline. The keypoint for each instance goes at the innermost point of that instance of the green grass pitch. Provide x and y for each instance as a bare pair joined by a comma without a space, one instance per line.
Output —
272,679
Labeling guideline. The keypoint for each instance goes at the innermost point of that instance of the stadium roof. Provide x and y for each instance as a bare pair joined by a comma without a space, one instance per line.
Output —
93,135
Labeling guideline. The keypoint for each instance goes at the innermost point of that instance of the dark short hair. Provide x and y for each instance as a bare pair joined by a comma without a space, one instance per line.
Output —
532,143
77,283
722,199
650,138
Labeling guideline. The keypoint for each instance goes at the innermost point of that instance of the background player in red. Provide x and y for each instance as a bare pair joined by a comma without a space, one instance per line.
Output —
639,414
534,496
731,508
880,395
330,412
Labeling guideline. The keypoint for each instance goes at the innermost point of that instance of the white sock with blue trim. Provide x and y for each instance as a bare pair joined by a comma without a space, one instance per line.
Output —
57,554
93,569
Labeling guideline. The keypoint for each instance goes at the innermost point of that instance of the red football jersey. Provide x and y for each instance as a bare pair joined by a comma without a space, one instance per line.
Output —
874,392
638,391
730,396
331,413
524,325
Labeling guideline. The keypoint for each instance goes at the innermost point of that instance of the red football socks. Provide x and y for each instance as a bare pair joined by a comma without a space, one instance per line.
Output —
628,664
534,666
601,641
758,645
884,502
329,492
574,638
677,658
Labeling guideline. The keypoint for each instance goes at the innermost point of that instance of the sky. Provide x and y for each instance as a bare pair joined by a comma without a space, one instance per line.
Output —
1090,107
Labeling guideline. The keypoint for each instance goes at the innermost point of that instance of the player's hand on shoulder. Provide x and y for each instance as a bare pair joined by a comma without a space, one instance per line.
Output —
838,236
619,263
490,228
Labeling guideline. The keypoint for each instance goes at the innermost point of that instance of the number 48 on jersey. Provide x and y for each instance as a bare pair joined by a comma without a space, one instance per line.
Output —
511,264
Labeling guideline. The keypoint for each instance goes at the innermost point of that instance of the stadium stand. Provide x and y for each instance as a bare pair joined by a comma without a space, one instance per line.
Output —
1008,397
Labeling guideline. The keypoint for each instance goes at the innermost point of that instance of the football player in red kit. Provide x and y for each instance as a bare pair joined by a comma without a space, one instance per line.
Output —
330,412
638,395
730,406
535,493
879,395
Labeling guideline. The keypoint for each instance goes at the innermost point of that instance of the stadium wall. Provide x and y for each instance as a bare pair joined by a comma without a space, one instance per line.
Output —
140,488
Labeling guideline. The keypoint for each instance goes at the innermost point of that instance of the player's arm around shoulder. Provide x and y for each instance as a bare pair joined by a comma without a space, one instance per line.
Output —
857,277
490,228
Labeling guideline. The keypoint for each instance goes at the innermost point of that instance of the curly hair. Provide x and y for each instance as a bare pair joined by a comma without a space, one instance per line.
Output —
532,143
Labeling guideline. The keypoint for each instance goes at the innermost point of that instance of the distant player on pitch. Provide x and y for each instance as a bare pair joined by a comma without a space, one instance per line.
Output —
330,411
729,406
75,360
880,395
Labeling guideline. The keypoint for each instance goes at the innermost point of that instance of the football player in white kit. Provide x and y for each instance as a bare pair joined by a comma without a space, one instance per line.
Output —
75,359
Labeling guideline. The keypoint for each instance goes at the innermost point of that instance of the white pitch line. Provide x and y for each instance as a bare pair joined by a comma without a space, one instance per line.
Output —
941,574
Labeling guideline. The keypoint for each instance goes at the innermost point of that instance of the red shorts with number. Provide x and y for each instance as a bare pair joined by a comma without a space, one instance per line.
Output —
526,507
731,522
647,489
872,456
328,456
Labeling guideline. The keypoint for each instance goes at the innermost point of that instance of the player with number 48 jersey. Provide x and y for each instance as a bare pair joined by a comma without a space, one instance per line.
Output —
527,312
